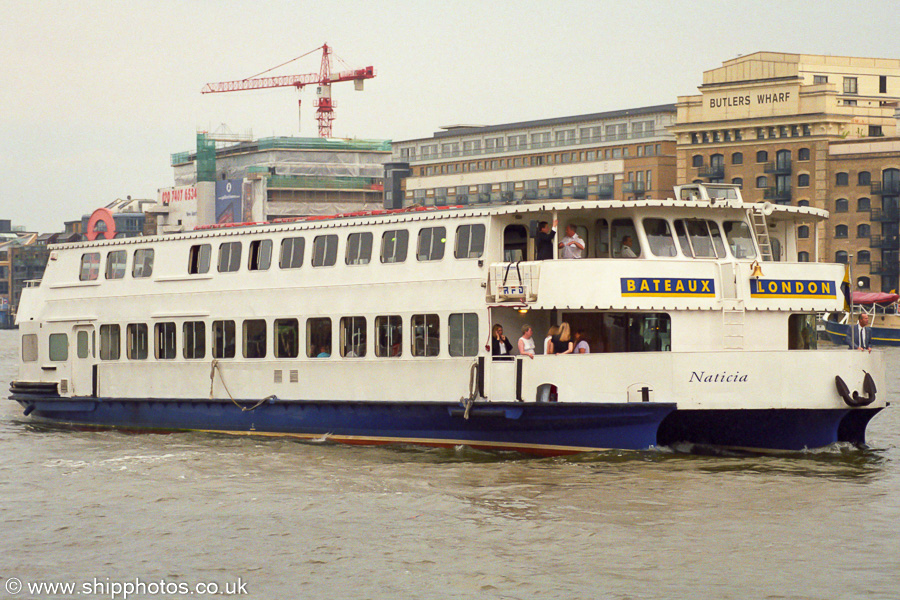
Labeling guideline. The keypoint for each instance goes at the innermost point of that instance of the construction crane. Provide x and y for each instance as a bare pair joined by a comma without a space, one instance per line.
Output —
323,79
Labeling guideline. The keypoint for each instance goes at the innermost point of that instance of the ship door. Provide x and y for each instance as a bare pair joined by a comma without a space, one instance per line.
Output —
83,360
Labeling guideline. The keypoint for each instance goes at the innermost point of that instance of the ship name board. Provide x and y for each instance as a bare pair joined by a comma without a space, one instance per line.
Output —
725,377
668,287
792,288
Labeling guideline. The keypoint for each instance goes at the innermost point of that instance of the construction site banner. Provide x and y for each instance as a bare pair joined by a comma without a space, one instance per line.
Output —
182,203
229,201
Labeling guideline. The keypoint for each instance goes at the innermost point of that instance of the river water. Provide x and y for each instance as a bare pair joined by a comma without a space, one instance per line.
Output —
269,518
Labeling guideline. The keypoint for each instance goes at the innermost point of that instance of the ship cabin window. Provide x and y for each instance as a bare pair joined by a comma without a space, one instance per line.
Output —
469,241
165,341
82,344
143,263
229,257
623,332
740,239
388,336
359,248
431,243
325,251
198,259
223,338
802,332
59,347
292,253
193,339
136,341
318,337
659,237
260,258
463,333
287,338
353,337
29,347
109,342
115,264
622,237
254,338
393,246
699,238
426,340
515,243
90,266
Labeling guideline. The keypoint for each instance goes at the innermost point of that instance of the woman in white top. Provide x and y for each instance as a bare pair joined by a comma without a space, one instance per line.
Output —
526,342
547,347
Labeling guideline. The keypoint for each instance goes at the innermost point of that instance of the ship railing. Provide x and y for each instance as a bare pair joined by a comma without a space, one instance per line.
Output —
514,281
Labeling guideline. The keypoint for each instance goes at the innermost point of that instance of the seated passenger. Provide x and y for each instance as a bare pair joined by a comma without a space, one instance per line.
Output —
572,245
324,352
626,251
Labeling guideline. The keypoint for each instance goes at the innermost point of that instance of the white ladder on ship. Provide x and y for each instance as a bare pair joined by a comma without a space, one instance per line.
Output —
762,233
733,324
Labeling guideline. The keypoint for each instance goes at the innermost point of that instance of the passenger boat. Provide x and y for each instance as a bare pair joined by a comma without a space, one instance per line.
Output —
884,318
374,328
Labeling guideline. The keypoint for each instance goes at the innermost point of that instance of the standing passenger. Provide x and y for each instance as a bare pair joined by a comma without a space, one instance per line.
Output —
500,346
572,245
548,347
562,342
581,345
544,241
526,342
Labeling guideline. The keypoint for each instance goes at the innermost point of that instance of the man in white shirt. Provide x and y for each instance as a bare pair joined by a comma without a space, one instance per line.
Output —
860,337
572,245
627,251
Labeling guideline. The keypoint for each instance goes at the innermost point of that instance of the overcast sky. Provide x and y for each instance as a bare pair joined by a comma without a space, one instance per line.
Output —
95,96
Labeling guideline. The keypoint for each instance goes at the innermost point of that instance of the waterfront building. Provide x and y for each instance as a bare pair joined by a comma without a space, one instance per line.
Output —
623,154
807,130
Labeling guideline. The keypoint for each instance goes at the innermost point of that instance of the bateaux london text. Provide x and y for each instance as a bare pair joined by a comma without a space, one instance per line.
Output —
668,286
792,288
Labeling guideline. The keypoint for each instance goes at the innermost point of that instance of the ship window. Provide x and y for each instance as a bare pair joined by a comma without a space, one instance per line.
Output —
463,332
469,241
82,345
802,332
318,337
29,347
143,263
431,243
59,347
198,259
623,231
359,248
194,339
229,257
255,338
90,266
325,251
739,239
426,339
136,341
292,253
287,338
699,238
115,264
389,336
659,237
260,255
515,243
353,337
165,341
109,342
223,334
631,332
393,246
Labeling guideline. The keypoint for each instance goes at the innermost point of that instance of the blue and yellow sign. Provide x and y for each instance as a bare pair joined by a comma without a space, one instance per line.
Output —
792,288
668,287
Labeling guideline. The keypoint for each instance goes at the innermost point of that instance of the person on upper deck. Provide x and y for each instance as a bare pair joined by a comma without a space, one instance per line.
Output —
526,342
548,346
860,336
572,245
562,342
500,346
581,345
627,251
544,241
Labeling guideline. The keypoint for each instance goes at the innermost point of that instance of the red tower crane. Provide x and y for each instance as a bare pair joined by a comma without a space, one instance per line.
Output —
324,78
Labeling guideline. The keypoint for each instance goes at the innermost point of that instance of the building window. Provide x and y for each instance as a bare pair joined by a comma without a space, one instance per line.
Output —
803,154
863,230
762,156
849,85
863,205
762,182
463,332
109,342
425,335
697,160
291,253
165,340
864,178
198,259
863,257
393,246
841,205
136,342
803,180
738,181
194,339
325,251
803,256
90,266
115,264
807,130
469,241
254,338
359,248
875,131
818,79
143,263
224,338
882,84
59,347
431,243
737,158
287,338
229,257
840,256
260,255
803,232
840,231
318,337
863,283
842,179
353,337
803,203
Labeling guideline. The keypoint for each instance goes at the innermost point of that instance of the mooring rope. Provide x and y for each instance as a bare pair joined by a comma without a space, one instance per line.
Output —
212,380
